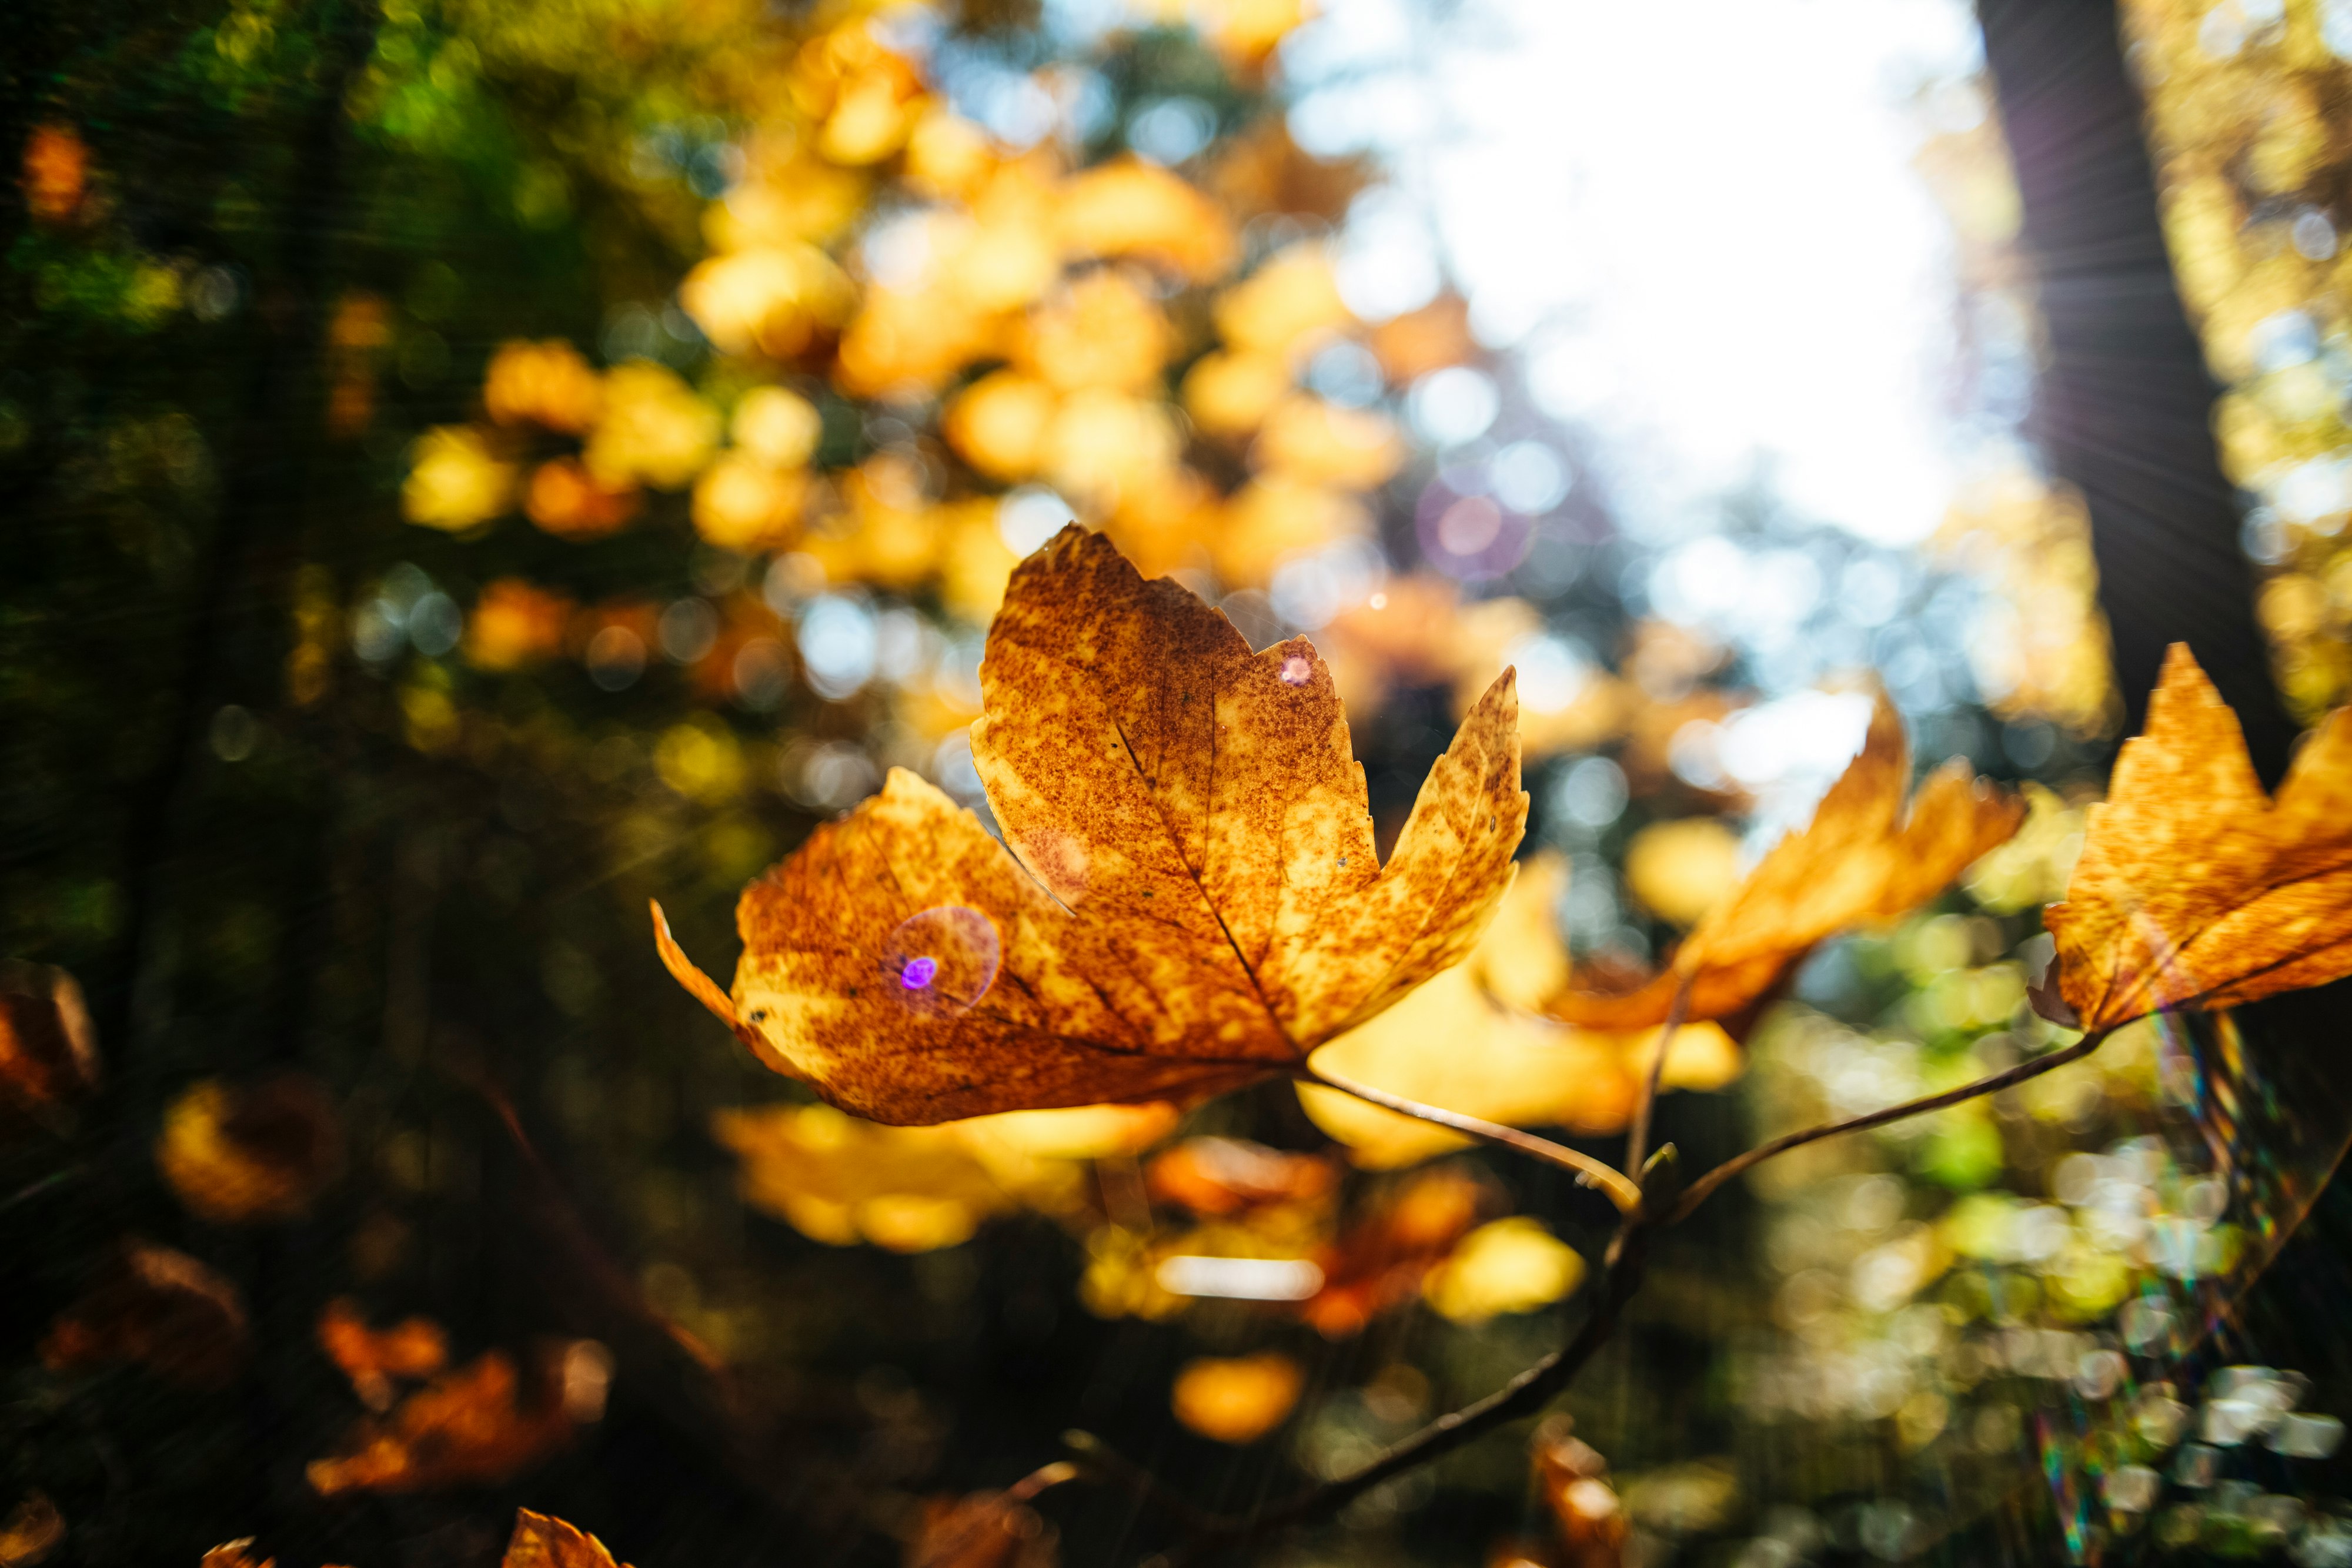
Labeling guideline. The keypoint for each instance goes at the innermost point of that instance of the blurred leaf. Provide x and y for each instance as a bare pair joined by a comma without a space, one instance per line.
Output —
1510,1265
1214,1176
48,1048
1862,860
1236,1400
1683,868
161,1309
471,1426
985,1530
241,1154
372,1358
1572,1479
840,1180
1382,1261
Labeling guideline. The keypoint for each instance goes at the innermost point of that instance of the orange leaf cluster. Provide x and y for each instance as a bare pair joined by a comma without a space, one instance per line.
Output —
1191,898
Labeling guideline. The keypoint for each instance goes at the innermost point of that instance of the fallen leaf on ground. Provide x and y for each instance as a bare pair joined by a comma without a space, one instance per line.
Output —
33,1530
543,1540
474,1427
1237,1399
159,1308
48,1050
238,1154
1196,903
2194,888
372,1358
1862,860
983,1530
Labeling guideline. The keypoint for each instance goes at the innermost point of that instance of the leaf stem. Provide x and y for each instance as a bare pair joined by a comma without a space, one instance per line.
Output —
1637,1140
1699,1190
1590,1172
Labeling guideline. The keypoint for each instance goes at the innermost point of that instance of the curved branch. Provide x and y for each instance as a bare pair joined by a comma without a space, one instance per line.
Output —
1590,1172
1206,1535
1699,1190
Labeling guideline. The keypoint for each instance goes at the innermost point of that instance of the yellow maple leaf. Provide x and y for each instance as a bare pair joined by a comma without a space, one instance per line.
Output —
2194,888
1196,902
1863,859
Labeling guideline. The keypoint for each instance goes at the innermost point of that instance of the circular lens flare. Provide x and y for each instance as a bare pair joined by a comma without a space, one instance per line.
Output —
944,960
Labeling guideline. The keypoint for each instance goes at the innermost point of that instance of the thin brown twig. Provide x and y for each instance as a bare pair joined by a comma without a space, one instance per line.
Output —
1699,1190
1206,1535
1590,1172
1637,1140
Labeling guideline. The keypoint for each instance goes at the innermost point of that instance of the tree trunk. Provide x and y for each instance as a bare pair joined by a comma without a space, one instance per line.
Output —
2125,406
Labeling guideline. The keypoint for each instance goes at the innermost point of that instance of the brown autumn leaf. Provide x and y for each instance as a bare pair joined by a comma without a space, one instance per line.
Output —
159,1308
239,1154
477,1424
1196,901
48,1050
1863,859
986,1530
2194,888
543,1540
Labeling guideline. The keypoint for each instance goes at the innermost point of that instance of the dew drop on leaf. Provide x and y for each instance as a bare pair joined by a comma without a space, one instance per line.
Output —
942,960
